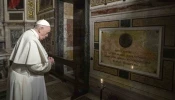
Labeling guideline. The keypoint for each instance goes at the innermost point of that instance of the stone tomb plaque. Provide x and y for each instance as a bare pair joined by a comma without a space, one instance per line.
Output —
131,49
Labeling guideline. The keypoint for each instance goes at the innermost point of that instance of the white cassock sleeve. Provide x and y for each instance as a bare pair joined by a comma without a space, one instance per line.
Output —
36,54
39,68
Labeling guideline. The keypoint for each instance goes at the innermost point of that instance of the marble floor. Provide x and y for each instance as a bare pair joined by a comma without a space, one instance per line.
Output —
58,90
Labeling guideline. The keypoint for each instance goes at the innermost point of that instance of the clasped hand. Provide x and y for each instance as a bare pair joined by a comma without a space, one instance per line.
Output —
51,60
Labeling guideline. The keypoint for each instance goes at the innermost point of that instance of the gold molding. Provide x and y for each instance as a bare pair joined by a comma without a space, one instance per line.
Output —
30,10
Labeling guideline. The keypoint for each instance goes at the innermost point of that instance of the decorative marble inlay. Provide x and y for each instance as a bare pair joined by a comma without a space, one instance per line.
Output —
125,23
96,46
15,34
169,53
101,2
60,30
69,32
166,68
160,21
68,10
31,9
166,81
124,74
130,7
69,54
98,25
97,2
112,71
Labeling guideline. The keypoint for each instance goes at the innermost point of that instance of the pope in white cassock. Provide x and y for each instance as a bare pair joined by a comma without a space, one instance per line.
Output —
30,62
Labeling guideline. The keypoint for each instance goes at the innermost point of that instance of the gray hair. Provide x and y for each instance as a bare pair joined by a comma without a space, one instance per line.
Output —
38,26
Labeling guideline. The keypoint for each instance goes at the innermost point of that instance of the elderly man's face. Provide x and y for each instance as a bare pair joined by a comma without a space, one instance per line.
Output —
44,31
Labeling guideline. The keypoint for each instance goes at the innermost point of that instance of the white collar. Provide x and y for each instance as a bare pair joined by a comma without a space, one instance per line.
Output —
36,34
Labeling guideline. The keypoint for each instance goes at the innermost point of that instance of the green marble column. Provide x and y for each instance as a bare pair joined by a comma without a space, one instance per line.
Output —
81,53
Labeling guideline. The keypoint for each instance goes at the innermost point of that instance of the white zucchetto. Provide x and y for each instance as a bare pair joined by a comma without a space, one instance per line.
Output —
43,22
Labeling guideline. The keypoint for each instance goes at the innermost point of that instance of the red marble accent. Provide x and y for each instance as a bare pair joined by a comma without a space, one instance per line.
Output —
122,9
69,32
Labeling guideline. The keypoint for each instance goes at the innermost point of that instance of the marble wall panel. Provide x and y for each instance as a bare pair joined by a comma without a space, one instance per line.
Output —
166,22
101,25
12,32
138,15
165,82
166,67
14,35
101,68
68,10
69,32
69,54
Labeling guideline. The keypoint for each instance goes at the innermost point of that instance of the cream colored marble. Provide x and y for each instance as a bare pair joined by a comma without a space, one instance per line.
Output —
143,89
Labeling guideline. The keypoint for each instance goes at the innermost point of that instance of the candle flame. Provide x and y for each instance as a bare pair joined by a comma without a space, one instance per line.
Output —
132,67
101,80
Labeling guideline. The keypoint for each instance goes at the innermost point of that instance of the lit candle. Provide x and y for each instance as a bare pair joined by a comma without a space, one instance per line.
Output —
132,67
101,81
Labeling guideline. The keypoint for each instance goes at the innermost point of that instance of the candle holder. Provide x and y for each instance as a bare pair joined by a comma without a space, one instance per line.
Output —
101,90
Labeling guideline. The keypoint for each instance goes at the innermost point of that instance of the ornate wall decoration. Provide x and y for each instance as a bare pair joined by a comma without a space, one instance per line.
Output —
30,10
15,34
